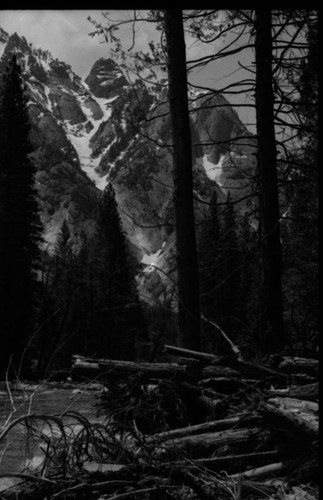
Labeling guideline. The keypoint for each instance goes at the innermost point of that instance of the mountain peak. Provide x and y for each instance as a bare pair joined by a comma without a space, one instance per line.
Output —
34,61
106,79
4,37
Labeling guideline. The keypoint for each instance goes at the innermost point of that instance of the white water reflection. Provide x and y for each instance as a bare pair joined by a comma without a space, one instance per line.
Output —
16,452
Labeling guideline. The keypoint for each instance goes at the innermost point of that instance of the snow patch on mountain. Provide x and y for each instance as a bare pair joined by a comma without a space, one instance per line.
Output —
81,139
213,170
2,47
150,259
49,102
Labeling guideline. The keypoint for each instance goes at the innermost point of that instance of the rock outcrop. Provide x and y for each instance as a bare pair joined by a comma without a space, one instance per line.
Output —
106,79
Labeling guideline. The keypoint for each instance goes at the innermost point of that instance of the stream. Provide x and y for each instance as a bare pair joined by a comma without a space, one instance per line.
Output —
26,399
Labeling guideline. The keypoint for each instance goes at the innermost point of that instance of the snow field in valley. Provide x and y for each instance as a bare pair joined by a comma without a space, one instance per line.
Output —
80,139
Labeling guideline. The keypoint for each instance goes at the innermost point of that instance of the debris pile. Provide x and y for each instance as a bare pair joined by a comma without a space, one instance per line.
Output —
199,427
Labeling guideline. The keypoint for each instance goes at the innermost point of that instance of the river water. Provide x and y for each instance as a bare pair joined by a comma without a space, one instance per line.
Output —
16,452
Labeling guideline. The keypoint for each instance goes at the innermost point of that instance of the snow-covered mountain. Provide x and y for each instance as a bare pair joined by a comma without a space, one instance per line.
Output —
88,133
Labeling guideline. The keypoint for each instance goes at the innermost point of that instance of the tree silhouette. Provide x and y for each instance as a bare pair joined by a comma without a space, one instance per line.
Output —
271,328
59,305
122,319
20,226
186,251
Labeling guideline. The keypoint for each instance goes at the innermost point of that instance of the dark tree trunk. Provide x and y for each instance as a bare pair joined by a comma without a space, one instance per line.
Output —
269,202
186,253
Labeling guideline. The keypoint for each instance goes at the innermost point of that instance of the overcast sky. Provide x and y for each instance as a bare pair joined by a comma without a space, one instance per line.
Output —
65,33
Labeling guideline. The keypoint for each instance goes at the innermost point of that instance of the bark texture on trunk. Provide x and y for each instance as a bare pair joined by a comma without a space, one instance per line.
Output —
273,334
186,253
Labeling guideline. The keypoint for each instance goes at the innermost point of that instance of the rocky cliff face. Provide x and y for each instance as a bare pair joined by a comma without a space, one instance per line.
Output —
103,130
105,79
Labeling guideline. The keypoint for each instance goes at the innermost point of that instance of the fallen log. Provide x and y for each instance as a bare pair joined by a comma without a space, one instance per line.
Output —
306,432
228,385
235,360
214,426
104,368
266,471
301,379
295,404
110,368
290,364
257,489
230,462
257,370
200,445
202,356
101,370
308,392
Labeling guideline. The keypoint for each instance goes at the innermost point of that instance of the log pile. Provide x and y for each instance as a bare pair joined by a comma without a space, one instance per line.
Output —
248,429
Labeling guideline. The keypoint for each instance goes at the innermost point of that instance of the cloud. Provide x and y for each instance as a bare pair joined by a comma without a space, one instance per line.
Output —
63,32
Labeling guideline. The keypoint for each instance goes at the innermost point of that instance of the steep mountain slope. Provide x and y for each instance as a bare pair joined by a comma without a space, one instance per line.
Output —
64,115
103,130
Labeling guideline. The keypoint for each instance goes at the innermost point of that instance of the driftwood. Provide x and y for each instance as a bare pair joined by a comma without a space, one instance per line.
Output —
308,392
228,385
257,369
265,471
230,462
101,370
295,404
87,368
257,489
203,444
259,422
293,423
114,368
235,361
299,365
202,356
214,426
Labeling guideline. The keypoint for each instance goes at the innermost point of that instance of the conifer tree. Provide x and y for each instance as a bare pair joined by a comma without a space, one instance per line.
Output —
122,317
230,268
186,248
20,226
271,335
300,235
210,249
59,310
220,278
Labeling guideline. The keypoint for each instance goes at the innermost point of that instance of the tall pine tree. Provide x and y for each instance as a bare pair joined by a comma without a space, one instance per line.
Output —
59,305
271,334
220,276
20,226
123,324
230,269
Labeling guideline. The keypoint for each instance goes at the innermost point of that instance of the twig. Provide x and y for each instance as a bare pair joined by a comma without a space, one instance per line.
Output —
105,485
234,348
27,477
130,494
239,487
